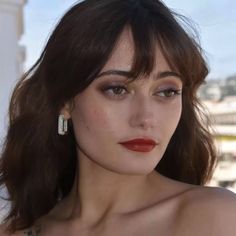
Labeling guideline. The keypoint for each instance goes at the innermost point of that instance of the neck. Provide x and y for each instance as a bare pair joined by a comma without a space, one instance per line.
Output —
98,193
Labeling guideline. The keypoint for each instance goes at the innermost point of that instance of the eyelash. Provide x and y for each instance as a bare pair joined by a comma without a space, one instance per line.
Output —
172,92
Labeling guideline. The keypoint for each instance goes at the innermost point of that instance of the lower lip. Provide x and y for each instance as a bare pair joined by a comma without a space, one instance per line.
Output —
139,147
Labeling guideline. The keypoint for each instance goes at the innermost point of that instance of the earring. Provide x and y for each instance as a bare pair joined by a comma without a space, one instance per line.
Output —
62,125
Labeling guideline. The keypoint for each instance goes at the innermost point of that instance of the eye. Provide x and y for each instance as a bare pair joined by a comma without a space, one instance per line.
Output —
169,93
115,90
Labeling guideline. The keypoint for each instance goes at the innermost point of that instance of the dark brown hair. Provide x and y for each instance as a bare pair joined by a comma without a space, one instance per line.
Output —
37,165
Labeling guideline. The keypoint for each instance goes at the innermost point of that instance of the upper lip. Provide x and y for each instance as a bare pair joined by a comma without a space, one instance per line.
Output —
140,141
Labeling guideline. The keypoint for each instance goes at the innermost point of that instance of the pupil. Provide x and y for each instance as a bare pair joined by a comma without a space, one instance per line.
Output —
118,90
169,93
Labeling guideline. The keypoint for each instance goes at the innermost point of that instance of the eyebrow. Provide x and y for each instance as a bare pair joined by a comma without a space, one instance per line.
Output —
129,75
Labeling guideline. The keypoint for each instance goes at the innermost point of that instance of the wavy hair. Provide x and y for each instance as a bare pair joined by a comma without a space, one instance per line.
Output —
37,165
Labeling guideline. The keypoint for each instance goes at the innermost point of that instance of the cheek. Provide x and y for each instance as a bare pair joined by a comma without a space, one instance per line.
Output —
97,117
90,121
170,117
174,112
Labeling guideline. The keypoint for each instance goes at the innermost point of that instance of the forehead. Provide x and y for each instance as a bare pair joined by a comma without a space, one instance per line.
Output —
123,53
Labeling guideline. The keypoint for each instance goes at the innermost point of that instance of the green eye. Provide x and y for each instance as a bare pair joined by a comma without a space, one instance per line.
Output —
115,90
118,90
168,93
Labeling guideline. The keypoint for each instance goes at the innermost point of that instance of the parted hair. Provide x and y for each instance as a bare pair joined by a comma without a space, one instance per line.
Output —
37,165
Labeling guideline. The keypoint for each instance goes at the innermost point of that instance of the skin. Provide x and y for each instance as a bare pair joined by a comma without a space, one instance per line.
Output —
116,191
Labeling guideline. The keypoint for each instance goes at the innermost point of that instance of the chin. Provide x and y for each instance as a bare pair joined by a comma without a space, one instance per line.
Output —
137,170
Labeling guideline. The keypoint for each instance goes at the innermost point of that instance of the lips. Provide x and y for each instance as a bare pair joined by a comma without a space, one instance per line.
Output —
139,145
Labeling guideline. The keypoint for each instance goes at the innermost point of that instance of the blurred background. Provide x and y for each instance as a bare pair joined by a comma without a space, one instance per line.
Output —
25,26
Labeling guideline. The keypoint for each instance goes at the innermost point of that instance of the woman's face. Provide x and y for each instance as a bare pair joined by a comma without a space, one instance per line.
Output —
111,111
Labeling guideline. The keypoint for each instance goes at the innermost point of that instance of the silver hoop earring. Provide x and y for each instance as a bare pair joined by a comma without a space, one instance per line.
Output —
62,125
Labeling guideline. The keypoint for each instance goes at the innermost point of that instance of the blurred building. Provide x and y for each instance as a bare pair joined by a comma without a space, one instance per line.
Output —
219,98
218,89
12,55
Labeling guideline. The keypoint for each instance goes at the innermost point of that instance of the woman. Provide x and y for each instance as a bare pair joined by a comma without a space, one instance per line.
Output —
105,136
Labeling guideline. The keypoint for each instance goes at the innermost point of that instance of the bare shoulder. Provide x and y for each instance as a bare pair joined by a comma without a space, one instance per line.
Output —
212,198
209,210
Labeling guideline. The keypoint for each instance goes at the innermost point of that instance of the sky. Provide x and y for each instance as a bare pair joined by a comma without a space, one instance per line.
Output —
215,21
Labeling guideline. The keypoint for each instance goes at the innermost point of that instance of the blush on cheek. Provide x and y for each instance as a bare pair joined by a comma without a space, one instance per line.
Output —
98,117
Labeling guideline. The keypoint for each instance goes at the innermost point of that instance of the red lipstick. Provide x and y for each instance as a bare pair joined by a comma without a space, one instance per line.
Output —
139,145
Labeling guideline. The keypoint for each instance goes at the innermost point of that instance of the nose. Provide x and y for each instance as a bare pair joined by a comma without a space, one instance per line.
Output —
142,114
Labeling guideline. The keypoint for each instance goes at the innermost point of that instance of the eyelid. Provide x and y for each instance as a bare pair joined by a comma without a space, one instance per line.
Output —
170,84
113,85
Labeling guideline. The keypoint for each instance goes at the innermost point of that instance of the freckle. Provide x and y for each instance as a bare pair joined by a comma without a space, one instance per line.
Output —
96,112
86,125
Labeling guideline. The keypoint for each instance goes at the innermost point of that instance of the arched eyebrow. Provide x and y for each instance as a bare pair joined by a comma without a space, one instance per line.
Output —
129,75
123,73
164,74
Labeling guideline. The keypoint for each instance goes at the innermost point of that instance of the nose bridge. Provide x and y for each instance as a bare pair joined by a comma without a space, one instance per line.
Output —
142,111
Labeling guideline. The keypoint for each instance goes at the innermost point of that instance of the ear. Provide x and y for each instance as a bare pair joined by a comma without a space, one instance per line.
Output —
66,111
